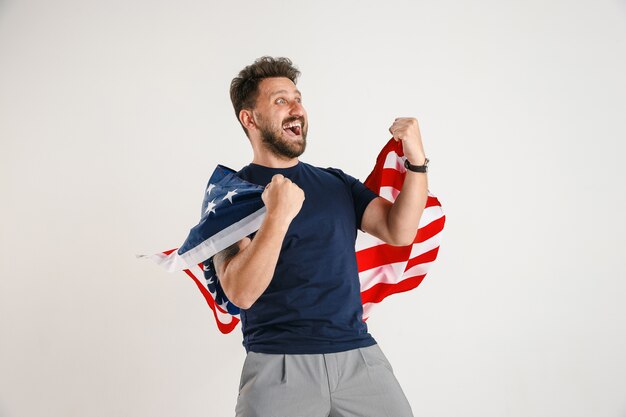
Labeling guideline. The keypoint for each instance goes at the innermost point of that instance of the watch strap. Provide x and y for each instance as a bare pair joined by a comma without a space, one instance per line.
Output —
416,168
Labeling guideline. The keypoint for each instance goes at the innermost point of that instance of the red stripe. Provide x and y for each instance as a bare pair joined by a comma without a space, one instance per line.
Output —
423,258
376,256
373,180
432,201
167,252
223,327
380,255
382,290
390,177
430,230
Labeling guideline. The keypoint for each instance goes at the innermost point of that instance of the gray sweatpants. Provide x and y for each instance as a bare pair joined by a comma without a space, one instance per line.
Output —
355,383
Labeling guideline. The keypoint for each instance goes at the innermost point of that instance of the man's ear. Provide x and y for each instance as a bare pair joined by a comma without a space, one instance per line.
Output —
246,119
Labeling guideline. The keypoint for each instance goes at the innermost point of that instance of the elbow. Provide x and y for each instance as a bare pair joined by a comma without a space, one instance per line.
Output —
238,297
402,242
242,302
403,239
400,234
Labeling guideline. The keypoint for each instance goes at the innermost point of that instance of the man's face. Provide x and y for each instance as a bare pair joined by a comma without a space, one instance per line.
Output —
280,117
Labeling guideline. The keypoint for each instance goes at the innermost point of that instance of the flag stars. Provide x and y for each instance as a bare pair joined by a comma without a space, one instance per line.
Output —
209,188
229,195
210,208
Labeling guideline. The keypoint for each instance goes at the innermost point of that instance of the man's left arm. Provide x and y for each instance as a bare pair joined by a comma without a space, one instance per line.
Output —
396,224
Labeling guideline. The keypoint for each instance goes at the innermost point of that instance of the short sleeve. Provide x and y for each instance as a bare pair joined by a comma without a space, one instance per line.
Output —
361,195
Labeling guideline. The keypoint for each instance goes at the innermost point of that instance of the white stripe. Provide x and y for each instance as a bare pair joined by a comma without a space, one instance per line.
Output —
204,250
429,215
367,309
224,318
425,246
383,273
388,193
394,161
224,238
416,270
413,272
171,262
394,273
388,277
366,241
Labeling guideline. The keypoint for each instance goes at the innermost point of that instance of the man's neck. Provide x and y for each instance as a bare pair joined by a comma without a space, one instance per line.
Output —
270,160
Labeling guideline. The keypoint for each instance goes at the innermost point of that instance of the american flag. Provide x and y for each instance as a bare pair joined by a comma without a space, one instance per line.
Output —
384,269
232,209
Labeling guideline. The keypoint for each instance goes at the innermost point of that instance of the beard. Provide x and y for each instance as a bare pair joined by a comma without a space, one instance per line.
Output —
274,140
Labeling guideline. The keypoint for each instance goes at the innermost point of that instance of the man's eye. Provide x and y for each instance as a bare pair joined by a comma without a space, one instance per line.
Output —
299,100
280,101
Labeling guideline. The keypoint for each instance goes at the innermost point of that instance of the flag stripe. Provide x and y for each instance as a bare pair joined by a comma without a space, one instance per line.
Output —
388,193
381,254
394,161
365,240
390,178
380,291
223,325
223,239
426,257
431,229
432,201
384,273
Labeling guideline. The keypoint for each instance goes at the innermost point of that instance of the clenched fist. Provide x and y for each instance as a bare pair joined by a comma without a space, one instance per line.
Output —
407,130
283,199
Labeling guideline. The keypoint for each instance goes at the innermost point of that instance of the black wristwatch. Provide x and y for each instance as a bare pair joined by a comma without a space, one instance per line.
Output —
416,168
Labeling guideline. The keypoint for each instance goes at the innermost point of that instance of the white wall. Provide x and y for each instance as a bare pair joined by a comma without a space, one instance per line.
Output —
113,114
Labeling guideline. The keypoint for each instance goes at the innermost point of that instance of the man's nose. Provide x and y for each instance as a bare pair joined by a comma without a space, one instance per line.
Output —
296,109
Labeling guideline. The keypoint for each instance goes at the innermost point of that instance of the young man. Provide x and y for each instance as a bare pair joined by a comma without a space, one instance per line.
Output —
309,353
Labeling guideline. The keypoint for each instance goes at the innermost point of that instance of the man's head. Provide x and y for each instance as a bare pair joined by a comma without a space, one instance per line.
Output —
269,106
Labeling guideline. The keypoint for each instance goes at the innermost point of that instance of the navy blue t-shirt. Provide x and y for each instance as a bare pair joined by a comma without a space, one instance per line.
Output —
313,303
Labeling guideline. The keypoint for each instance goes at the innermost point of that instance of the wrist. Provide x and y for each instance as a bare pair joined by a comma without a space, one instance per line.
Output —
277,222
416,159
411,166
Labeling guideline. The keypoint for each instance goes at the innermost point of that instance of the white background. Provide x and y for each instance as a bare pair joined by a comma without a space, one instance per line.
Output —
114,113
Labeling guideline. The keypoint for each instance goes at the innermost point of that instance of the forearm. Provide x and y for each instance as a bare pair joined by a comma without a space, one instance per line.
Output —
404,216
248,274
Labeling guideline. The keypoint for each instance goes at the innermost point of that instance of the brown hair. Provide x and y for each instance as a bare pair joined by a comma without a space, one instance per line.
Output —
244,88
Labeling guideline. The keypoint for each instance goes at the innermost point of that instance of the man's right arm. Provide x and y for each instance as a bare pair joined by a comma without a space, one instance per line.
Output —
246,268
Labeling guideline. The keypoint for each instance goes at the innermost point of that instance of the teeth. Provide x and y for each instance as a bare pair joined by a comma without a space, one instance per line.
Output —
292,124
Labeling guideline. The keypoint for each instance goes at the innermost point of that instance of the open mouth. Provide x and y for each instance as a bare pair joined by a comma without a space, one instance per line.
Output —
293,128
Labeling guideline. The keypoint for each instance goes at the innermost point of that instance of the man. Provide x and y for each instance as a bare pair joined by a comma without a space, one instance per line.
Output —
309,353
